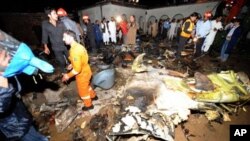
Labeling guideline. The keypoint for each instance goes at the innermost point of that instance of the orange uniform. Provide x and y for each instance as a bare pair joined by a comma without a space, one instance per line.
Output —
78,57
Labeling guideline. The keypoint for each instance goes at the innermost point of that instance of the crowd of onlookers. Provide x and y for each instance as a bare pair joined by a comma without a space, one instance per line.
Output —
119,30
202,31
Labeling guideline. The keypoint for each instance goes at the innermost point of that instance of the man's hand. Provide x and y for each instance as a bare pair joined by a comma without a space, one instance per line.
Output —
4,60
228,38
65,78
46,50
69,67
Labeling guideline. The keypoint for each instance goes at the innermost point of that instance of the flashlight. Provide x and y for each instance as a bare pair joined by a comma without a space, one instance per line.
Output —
118,19
195,39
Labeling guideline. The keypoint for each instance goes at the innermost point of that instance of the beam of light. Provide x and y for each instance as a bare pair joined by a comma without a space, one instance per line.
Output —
118,19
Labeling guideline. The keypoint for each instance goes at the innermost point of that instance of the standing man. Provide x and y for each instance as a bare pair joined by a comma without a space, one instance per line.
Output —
98,35
215,26
203,28
154,29
80,68
230,41
186,31
68,23
132,31
105,31
112,29
52,30
123,25
166,26
90,33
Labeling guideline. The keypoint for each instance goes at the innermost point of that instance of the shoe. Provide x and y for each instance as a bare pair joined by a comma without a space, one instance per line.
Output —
88,108
95,98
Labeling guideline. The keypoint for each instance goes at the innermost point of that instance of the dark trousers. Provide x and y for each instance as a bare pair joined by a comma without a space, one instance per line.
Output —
198,45
181,44
165,33
62,58
92,44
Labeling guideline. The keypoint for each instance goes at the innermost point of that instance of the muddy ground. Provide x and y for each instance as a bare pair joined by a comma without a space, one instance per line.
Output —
95,124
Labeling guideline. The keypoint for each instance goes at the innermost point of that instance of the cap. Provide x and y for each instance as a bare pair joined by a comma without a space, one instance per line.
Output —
85,17
61,12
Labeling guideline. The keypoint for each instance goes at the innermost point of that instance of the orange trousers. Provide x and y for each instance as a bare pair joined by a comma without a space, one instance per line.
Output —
85,91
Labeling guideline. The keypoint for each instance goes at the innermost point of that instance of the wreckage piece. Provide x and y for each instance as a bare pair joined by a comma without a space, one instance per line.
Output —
243,77
227,89
177,84
202,82
104,79
64,118
138,65
173,103
136,123
170,55
103,66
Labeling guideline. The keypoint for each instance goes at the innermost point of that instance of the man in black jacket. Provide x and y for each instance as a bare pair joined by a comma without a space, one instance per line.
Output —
15,120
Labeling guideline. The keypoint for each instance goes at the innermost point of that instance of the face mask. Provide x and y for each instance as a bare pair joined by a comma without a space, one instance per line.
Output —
22,58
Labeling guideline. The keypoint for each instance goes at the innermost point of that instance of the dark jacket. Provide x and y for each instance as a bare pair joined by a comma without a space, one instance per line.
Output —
15,120
98,33
54,35
234,40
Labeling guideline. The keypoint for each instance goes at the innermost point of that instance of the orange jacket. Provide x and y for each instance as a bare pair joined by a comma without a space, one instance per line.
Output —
79,58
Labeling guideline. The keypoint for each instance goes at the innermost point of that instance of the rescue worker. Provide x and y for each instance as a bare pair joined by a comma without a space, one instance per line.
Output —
80,68
187,28
69,24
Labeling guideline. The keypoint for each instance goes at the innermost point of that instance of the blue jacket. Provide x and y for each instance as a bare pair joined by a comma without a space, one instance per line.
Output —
15,120
71,25
98,33
234,40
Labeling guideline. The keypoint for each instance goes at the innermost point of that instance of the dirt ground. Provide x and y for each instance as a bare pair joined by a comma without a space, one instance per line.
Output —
200,129
196,128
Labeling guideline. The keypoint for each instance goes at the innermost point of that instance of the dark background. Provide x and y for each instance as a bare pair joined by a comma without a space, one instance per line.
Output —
69,5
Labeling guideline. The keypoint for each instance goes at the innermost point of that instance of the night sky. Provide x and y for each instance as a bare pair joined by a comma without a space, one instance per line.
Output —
39,5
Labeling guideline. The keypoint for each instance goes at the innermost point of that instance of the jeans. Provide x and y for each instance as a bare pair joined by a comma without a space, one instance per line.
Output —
34,135
62,58
223,55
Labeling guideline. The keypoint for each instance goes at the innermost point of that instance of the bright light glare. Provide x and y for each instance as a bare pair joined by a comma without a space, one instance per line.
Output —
118,19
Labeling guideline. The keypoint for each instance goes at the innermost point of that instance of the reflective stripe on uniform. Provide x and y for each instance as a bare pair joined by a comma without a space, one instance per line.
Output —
85,97
74,72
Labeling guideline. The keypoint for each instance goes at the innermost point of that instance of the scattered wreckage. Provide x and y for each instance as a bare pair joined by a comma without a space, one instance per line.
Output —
174,95
156,99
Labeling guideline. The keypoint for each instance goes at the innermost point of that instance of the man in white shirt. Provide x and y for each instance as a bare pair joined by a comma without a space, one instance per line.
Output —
112,30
